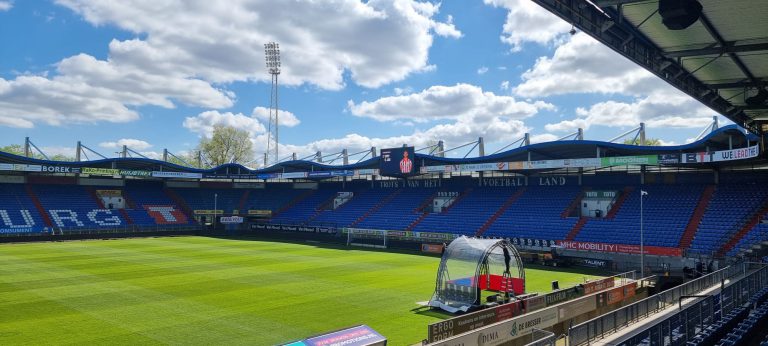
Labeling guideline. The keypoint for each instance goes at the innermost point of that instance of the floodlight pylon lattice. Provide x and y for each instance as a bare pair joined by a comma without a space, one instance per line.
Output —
272,56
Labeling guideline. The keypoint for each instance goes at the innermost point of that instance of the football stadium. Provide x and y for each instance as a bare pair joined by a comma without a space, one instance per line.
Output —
567,242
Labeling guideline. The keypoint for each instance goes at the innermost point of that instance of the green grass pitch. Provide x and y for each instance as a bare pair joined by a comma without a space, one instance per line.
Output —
197,290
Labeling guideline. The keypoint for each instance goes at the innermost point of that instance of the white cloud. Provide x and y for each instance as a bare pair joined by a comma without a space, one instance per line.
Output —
459,114
529,22
135,144
543,137
570,70
504,85
401,91
87,90
204,122
461,101
665,108
152,154
378,41
285,118
482,70
59,150
5,5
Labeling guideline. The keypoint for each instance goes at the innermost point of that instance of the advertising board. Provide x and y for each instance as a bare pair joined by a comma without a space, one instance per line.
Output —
619,248
361,335
185,175
630,160
231,219
597,285
723,155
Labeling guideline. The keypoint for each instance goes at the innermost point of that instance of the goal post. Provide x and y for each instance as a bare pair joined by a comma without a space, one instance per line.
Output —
374,238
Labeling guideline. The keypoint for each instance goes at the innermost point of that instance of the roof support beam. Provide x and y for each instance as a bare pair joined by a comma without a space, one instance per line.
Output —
728,48
606,3
642,52
737,85
719,38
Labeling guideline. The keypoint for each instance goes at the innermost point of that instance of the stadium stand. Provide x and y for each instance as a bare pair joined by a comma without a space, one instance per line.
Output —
226,200
537,214
304,210
398,212
153,206
468,213
728,211
667,210
18,211
71,206
274,198
363,202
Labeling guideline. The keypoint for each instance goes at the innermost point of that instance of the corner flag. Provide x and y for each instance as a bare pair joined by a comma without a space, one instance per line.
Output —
643,193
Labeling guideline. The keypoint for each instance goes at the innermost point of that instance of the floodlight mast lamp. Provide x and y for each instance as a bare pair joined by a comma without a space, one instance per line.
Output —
272,56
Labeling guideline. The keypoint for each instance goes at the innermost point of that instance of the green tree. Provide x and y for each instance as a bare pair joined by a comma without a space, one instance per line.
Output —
187,159
18,149
228,144
654,142
15,149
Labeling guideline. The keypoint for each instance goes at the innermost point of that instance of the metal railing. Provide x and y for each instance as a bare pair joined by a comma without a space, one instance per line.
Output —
683,326
609,323
542,338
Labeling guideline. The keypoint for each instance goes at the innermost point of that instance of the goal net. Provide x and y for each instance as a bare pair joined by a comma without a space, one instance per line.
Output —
366,238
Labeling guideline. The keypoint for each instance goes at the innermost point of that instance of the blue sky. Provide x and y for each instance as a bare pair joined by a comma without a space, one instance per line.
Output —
159,74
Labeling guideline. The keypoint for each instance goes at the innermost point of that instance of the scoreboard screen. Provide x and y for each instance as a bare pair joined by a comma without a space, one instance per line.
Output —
398,162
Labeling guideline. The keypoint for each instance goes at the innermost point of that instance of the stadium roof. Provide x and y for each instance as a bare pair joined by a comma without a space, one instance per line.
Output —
721,59
721,139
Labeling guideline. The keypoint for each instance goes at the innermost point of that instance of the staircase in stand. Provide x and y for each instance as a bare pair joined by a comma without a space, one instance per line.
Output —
323,206
751,223
424,215
619,202
574,204
39,206
181,204
376,207
499,212
426,203
95,197
125,216
576,228
128,202
243,200
698,213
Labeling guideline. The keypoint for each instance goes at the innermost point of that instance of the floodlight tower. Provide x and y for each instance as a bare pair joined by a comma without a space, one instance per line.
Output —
272,55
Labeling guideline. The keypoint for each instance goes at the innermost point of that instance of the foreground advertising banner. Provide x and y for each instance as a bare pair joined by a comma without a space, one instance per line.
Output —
598,285
361,335
441,330
720,156
619,248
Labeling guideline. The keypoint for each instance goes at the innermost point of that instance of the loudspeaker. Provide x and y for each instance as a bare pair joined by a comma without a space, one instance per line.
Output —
555,285
679,14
